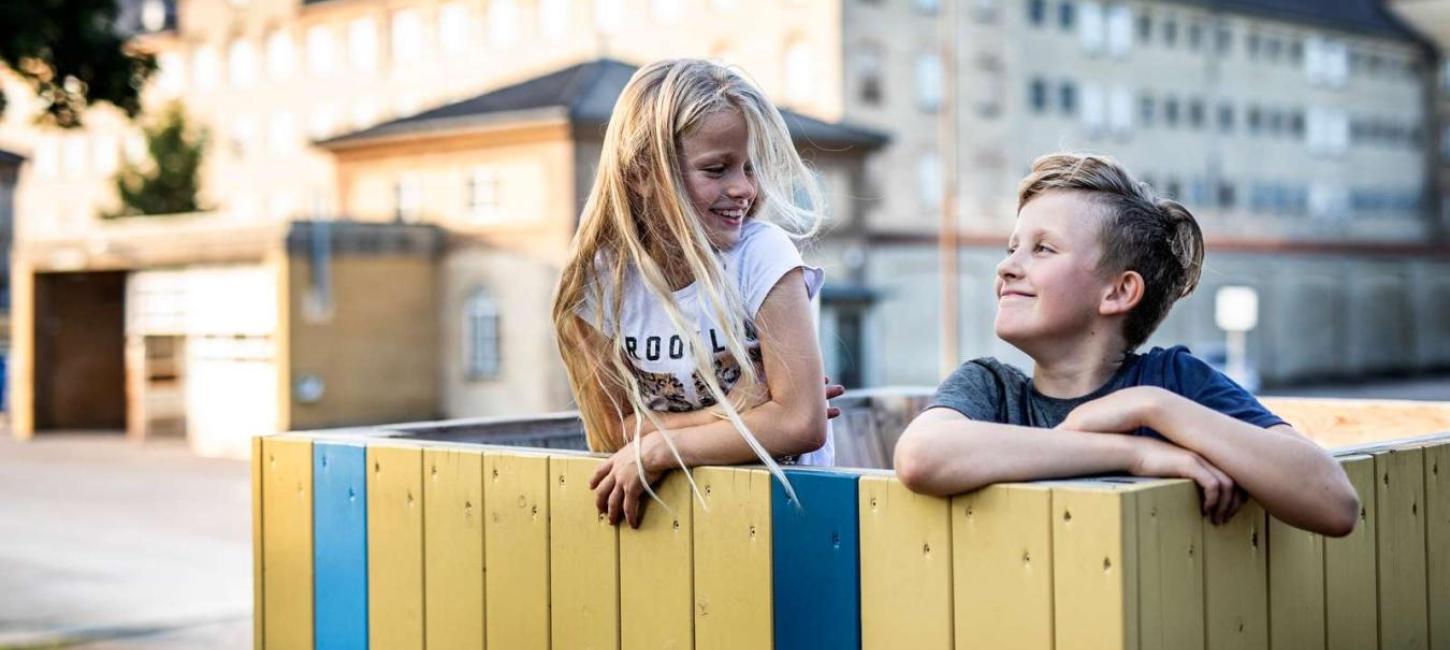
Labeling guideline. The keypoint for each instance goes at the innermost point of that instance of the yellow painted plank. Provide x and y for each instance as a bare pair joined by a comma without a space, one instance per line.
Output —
906,566
1235,577
583,560
733,560
516,550
257,607
1296,587
1351,609
1170,560
1094,565
287,544
453,549
656,572
1437,542
1400,496
1002,567
395,547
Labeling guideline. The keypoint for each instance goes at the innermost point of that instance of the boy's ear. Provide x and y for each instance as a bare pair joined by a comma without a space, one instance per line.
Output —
1125,292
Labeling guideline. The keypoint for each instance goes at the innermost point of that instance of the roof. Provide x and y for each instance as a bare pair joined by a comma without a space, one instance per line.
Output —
1369,17
8,158
585,95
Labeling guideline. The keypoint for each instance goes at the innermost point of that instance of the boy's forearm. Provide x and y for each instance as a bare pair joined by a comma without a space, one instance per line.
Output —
953,457
1292,477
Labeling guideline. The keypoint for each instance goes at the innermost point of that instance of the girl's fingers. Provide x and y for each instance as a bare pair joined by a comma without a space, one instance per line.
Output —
832,412
616,504
600,472
834,390
602,492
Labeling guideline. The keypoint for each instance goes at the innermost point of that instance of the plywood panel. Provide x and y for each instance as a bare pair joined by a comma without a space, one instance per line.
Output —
657,573
906,567
395,547
516,550
1351,609
1400,496
1170,558
583,560
1235,575
816,562
733,603
1002,567
1094,558
454,611
287,544
340,540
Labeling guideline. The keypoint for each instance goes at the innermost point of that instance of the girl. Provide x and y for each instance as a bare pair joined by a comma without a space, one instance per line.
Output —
683,314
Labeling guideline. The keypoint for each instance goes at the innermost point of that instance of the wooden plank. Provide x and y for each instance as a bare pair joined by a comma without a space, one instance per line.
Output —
1437,542
340,556
1351,609
453,605
1235,577
1399,496
1296,587
816,562
395,547
287,544
733,559
1344,422
1094,558
906,567
258,608
657,571
1002,567
1170,559
583,560
516,550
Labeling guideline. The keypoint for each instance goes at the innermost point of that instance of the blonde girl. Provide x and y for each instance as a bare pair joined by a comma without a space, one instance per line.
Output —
683,315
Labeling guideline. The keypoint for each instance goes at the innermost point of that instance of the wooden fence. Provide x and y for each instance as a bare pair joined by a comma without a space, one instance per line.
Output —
399,539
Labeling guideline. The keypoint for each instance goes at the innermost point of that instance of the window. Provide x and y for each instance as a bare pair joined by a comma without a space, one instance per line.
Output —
1224,39
1195,113
365,112
666,11
407,36
362,43
206,68
242,63
1296,51
1173,190
503,20
1170,111
171,78
105,154
1146,107
1170,32
1120,111
1252,44
927,6
929,82
1275,120
483,203
1067,98
1226,118
554,18
868,74
453,26
282,133
1066,15
281,55
798,73
1145,27
1255,119
1037,95
320,50
1037,12
321,122
929,179
1272,47
1120,30
407,199
1195,36
1093,114
481,349
1092,28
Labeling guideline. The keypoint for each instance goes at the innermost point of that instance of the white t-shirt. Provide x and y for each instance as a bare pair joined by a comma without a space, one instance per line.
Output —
660,355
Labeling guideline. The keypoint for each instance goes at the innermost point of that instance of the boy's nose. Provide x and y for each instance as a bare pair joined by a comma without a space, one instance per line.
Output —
1008,267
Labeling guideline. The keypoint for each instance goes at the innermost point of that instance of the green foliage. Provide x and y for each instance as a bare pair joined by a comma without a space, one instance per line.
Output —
169,182
71,54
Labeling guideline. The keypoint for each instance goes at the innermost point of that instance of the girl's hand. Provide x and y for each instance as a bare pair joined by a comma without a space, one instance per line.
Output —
832,392
617,484
1154,458
1122,411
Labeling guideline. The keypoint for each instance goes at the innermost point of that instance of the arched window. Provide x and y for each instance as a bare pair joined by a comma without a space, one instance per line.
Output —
481,350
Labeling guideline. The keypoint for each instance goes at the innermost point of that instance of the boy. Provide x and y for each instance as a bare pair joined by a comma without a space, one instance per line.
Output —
1093,266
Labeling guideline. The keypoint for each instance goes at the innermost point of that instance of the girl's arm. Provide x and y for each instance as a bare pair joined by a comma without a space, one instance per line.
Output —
1291,476
943,453
791,420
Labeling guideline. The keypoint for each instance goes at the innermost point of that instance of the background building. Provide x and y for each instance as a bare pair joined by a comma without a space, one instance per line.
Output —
461,135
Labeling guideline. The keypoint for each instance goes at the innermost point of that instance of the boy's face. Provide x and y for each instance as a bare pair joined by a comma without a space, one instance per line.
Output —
1049,287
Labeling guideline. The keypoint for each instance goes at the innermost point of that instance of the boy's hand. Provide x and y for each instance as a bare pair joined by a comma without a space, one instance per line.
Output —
618,486
1123,411
1154,458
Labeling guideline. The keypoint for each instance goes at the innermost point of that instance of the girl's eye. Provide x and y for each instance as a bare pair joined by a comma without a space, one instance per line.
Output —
749,169
715,170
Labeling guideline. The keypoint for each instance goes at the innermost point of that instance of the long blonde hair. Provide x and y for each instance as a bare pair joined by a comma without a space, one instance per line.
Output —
638,219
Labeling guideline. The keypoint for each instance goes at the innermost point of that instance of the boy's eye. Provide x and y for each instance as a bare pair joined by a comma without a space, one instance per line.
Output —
1011,250
1042,248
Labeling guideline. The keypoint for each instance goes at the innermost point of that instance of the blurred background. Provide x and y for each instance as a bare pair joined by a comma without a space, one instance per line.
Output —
230,217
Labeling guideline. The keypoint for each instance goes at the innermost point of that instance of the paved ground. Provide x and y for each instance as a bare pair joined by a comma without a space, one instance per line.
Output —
109,545
123,545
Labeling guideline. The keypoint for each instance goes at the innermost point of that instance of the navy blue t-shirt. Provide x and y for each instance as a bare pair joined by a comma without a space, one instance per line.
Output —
991,391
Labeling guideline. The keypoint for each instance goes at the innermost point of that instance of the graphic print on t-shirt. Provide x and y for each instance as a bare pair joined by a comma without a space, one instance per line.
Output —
665,392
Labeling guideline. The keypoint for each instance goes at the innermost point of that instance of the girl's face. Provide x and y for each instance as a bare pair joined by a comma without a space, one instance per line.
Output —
1049,286
718,175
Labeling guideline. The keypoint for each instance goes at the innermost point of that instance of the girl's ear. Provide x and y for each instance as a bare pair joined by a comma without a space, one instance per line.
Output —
1125,292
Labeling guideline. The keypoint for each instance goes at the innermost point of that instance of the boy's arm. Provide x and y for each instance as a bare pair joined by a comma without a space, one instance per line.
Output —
1291,476
942,452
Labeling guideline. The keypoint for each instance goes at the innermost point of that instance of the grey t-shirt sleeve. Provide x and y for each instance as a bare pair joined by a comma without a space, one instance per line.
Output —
973,390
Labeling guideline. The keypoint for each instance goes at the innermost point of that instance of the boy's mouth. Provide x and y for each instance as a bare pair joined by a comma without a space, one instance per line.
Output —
1004,295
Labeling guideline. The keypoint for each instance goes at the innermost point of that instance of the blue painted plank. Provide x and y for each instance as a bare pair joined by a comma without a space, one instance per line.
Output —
340,546
816,562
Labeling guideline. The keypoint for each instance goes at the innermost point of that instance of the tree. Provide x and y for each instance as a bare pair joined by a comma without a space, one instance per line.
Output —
72,54
170,183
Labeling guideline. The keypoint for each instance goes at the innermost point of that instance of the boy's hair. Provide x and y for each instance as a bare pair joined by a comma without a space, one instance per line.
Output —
1156,237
